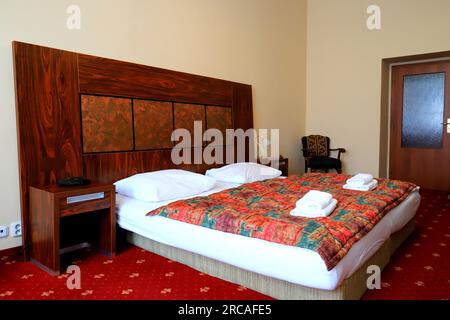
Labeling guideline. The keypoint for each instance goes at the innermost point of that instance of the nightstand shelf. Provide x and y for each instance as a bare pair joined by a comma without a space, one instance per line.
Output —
63,218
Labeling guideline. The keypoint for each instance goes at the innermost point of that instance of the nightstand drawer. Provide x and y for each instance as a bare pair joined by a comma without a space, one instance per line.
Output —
84,202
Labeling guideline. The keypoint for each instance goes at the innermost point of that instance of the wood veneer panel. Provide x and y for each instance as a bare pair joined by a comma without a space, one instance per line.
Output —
110,167
118,78
242,106
48,119
243,111
107,124
186,115
45,236
153,124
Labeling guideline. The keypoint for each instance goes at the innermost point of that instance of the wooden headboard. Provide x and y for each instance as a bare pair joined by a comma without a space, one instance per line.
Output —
81,115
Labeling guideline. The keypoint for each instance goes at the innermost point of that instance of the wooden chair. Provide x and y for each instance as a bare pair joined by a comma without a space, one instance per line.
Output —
316,151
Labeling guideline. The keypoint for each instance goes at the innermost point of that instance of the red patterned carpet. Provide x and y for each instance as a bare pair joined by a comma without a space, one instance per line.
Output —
419,270
133,274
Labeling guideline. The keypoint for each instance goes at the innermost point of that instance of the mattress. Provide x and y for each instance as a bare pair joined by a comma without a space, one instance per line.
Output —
293,264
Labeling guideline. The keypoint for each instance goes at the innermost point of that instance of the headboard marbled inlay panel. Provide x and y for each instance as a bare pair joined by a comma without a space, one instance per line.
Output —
107,124
220,118
153,124
185,115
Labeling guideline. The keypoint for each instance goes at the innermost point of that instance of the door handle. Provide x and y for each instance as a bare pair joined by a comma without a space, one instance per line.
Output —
447,124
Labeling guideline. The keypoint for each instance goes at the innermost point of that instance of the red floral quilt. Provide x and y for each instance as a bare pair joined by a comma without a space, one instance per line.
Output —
261,210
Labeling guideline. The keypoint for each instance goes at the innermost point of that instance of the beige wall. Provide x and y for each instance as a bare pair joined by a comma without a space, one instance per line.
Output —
260,42
344,66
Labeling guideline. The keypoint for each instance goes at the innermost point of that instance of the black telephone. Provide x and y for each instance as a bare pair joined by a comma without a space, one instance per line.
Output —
73,181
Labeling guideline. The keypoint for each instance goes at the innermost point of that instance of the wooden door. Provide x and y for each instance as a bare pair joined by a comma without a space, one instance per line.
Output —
420,133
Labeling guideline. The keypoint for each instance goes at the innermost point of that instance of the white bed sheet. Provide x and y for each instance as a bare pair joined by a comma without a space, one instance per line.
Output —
292,264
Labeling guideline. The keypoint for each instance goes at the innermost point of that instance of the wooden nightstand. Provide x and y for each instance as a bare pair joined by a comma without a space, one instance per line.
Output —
64,218
283,165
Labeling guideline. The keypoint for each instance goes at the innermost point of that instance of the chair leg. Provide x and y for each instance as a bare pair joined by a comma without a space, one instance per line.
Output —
339,171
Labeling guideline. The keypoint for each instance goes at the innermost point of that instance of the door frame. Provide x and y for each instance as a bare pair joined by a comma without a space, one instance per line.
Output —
385,103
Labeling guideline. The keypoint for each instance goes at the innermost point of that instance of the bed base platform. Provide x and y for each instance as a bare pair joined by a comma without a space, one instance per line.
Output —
351,289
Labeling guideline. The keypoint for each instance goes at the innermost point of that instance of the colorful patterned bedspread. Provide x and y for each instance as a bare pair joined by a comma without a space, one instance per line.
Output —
261,210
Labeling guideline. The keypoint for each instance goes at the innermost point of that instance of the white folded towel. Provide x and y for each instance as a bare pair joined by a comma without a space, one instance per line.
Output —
300,211
366,187
360,179
315,200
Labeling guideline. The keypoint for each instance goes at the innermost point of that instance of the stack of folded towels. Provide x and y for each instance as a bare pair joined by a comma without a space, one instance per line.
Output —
315,204
361,182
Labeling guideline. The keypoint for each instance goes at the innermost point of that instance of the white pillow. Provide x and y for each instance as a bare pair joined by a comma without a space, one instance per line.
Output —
243,172
164,185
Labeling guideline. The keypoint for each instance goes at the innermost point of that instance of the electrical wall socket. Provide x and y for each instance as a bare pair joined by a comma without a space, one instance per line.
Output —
16,229
4,231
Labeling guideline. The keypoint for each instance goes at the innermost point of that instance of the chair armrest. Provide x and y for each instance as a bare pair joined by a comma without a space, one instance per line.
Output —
339,150
342,150
304,151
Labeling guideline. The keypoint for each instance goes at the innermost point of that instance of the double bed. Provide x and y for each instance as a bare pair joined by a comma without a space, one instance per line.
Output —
278,270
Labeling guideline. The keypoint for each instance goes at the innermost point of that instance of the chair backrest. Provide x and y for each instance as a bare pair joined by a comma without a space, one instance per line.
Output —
316,146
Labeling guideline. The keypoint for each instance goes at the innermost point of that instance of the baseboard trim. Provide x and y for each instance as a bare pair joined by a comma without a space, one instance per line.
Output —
15,251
